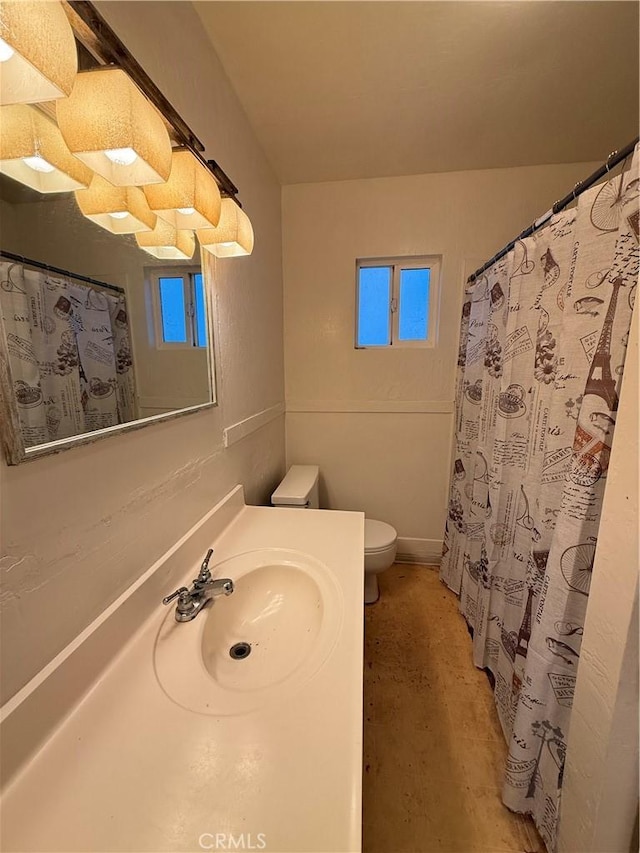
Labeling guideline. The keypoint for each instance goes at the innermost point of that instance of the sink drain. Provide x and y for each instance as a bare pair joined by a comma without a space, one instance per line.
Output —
240,651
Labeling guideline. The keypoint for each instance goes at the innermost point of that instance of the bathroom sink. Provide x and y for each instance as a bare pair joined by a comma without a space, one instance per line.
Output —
272,620
258,645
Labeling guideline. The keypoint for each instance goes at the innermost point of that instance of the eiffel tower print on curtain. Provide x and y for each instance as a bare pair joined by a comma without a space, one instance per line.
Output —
600,381
592,442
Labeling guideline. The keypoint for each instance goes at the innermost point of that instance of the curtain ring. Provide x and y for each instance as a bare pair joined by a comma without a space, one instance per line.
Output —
575,188
610,157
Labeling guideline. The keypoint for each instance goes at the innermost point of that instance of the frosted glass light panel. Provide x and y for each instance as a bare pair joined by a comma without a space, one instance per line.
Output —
33,152
110,125
413,304
119,210
167,243
374,303
38,56
190,199
232,237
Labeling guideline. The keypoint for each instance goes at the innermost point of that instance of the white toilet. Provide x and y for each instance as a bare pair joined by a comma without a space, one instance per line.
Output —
299,490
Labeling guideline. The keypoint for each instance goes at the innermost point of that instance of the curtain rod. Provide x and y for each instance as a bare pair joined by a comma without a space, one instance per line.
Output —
66,273
612,160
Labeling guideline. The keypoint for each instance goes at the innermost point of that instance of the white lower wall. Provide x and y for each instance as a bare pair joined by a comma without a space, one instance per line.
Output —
426,552
386,464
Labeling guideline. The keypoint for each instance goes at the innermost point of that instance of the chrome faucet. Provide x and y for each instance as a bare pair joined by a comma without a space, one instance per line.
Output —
203,589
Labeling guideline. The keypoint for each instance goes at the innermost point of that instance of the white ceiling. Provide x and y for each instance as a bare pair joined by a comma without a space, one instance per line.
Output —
340,90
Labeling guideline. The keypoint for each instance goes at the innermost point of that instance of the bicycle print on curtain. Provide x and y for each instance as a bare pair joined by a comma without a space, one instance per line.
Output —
542,349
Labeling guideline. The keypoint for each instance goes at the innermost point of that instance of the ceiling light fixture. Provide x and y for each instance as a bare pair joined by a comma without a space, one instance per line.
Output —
120,210
37,51
167,243
233,235
190,198
33,152
110,125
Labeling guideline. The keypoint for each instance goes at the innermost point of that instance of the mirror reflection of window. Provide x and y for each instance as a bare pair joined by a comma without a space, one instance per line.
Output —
201,318
173,310
180,306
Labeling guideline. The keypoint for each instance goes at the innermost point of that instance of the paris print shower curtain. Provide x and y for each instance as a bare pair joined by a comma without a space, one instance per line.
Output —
541,356
69,354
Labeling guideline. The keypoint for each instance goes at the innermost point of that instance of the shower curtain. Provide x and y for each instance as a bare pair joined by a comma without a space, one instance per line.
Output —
541,356
69,354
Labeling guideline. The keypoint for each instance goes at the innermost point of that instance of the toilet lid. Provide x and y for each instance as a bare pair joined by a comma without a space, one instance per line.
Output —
378,535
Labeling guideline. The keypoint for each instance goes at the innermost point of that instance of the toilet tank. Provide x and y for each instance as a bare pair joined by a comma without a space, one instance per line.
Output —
299,488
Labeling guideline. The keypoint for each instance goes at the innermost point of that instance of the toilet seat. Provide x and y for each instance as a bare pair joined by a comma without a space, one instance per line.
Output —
378,536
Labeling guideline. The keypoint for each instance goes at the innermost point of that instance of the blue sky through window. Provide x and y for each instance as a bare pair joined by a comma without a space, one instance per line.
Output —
414,305
201,319
174,324
373,306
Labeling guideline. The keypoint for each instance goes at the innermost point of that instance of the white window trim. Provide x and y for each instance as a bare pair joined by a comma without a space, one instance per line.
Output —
431,262
186,273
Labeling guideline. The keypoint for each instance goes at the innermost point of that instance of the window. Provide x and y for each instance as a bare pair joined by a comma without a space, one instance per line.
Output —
396,302
179,306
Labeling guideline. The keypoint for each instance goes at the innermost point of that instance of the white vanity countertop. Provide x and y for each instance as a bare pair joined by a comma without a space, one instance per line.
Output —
130,770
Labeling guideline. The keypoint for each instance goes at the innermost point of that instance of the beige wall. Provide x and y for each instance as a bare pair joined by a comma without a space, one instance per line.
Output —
379,423
79,527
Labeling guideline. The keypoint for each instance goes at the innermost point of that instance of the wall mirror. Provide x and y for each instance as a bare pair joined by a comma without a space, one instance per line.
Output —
102,336
101,329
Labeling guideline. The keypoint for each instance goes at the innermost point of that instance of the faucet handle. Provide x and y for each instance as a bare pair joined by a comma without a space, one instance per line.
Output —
169,598
205,574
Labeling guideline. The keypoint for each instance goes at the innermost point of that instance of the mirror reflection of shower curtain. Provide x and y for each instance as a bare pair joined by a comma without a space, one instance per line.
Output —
69,354
542,350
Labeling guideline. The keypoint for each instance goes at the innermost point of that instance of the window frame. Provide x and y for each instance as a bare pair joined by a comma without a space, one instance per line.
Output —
397,264
187,273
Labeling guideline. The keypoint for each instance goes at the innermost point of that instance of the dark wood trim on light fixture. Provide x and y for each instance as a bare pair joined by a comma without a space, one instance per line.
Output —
96,36
227,188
